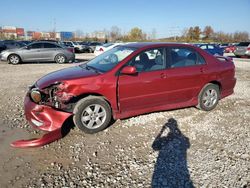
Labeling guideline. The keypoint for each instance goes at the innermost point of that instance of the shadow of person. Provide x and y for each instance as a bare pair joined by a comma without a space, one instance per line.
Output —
171,166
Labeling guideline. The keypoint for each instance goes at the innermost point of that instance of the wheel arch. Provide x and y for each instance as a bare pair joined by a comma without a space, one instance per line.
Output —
14,54
216,82
60,54
75,99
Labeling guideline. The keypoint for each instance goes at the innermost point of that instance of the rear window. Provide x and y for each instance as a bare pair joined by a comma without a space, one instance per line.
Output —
244,44
107,44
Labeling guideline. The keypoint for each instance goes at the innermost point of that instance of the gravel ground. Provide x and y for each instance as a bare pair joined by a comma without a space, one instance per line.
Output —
177,148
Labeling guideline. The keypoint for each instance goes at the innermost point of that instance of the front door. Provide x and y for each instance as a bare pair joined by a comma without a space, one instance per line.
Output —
32,52
146,88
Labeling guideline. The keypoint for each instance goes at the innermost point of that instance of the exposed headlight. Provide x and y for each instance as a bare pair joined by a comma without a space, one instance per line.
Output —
35,95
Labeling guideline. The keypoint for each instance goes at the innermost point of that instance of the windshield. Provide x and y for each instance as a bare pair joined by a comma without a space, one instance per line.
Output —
110,59
75,43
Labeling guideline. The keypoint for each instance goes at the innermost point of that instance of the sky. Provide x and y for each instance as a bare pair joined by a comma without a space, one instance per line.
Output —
167,17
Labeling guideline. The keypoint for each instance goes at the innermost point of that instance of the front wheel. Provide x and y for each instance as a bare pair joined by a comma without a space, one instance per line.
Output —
208,97
60,59
92,114
14,59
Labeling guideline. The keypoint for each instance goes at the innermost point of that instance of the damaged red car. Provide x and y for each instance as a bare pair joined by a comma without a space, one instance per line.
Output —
126,81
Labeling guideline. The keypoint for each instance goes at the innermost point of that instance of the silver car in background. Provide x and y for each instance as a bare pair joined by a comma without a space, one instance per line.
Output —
242,49
39,52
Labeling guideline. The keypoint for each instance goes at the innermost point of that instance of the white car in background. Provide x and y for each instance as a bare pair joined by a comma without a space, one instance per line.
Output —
105,47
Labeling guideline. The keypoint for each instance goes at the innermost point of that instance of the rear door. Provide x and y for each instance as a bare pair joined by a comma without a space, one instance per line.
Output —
185,74
49,51
147,88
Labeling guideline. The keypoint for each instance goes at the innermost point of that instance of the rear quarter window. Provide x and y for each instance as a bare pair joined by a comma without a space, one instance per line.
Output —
244,44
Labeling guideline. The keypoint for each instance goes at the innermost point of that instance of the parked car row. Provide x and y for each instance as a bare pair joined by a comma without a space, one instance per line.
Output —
241,49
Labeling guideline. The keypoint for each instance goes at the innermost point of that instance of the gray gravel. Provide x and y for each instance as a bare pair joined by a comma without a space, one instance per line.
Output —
178,148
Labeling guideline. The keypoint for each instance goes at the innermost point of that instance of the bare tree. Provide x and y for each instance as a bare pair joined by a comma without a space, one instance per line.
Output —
115,33
208,32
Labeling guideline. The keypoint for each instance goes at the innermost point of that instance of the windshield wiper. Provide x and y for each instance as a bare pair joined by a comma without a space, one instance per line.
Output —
92,68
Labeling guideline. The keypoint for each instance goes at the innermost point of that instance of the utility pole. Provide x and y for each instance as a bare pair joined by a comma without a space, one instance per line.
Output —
54,28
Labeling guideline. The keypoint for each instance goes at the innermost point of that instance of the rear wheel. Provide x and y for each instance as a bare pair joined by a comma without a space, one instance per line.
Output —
208,97
60,58
14,59
92,114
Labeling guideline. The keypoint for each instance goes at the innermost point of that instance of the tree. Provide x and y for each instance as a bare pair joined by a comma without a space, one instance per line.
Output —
241,36
208,32
197,32
190,33
136,34
115,33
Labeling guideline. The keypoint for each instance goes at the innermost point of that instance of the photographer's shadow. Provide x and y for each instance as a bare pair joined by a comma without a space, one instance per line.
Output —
171,168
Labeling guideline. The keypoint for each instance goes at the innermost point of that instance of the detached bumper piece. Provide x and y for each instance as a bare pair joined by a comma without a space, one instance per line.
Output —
44,118
36,142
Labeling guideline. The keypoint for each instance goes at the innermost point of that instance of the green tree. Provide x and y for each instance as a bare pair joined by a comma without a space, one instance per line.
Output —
136,34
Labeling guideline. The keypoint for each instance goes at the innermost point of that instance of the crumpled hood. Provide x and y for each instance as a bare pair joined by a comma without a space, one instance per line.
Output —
70,73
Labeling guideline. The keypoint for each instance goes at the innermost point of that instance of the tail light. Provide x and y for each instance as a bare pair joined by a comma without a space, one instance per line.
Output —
101,50
71,50
248,49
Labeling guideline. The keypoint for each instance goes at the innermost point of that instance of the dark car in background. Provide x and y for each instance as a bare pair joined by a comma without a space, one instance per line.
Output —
12,44
38,52
2,46
242,49
212,49
92,46
79,48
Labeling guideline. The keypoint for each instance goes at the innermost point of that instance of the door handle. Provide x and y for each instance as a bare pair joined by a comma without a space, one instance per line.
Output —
163,75
202,70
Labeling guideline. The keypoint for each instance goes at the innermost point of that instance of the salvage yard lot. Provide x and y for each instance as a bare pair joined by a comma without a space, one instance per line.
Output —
201,149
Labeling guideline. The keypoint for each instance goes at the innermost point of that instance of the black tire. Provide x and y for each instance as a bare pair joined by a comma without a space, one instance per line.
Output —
208,97
60,59
80,112
14,59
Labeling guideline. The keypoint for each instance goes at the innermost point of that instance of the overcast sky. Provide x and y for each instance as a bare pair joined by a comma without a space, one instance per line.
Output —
167,17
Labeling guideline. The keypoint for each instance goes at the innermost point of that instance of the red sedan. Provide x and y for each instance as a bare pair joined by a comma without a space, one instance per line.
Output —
230,49
126,81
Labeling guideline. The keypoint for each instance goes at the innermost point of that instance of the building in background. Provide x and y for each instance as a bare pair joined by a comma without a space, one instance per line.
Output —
65,35
101,35
37,36
9,32
20,33
45,35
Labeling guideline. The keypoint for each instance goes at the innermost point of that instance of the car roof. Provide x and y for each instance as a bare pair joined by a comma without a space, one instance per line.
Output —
154,44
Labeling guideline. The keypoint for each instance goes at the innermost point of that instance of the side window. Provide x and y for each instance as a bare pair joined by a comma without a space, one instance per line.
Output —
210,47
203,47
149,60
36,45
183,57
48,45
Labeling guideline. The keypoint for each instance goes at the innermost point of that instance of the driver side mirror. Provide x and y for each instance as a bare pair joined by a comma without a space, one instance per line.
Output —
129,70
27,47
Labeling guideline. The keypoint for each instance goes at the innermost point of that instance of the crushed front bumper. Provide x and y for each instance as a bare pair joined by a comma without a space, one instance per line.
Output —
44,118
